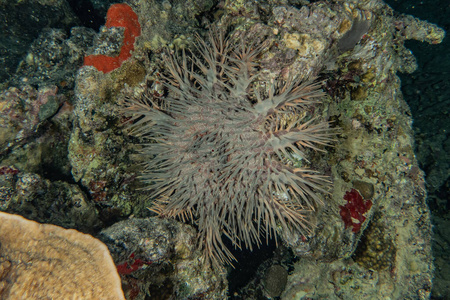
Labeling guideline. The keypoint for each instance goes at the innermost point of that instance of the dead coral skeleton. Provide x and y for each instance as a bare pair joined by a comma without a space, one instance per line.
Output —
220,148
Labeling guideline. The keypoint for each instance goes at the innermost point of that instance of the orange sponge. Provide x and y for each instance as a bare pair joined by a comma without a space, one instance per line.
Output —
119,15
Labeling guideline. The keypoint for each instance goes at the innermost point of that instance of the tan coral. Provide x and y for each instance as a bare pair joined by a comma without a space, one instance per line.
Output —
42,261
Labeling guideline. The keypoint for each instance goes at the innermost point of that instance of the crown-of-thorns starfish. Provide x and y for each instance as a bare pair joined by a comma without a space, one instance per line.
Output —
220,146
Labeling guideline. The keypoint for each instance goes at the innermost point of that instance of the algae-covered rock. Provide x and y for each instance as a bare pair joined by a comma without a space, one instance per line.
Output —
158,258
275,280
42,200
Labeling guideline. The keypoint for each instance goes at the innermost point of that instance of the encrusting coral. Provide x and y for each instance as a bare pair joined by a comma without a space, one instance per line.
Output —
221,148
43,261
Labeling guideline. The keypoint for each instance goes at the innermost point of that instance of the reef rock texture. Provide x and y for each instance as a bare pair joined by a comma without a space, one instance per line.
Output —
23,112
54,58
163,252
42,200
41,261
23,21
374,156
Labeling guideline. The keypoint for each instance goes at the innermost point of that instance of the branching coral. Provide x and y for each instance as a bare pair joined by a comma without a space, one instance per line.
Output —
221,147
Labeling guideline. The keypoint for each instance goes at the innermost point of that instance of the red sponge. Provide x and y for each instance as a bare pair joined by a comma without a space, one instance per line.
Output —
119,15
352,213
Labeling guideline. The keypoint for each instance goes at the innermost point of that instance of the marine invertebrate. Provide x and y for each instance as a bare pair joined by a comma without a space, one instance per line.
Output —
135,264
352,213
7,170
222,147
118,15
40,261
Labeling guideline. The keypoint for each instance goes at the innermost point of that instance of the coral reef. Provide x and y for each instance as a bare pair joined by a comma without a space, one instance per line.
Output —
40,261
29,116
53,58
66,160
164,252
42,200
23,22
96,149
21,111
427,92
374,155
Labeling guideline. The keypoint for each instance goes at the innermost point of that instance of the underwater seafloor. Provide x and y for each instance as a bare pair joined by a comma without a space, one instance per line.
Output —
67,159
